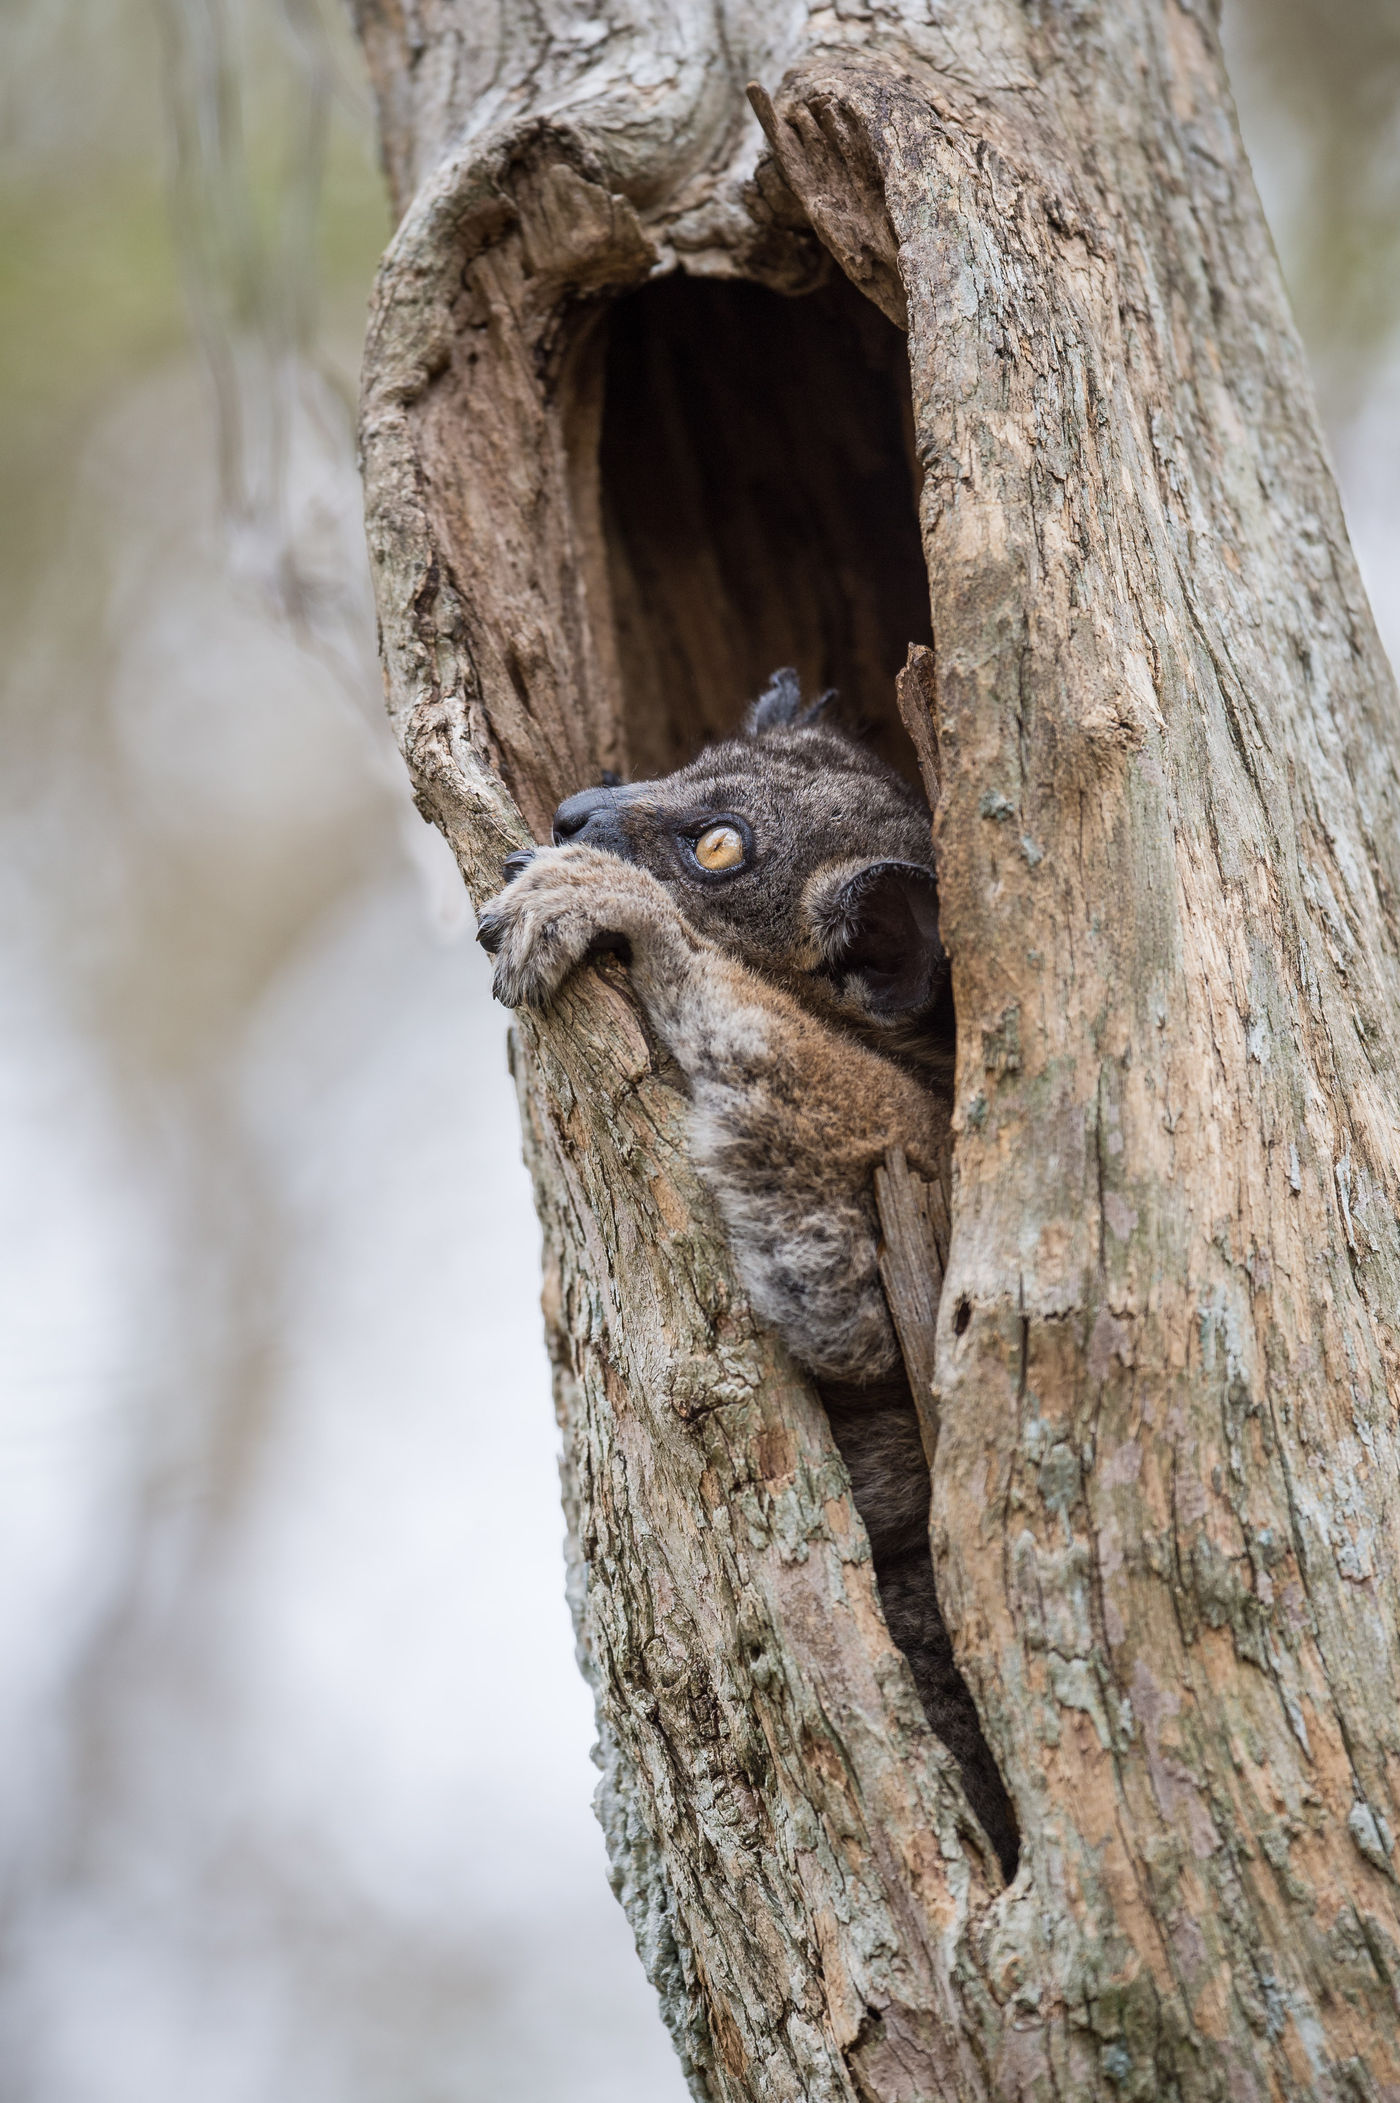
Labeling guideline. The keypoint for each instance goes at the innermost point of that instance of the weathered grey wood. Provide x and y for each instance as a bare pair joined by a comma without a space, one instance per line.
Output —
1168,832
916,696
911,1271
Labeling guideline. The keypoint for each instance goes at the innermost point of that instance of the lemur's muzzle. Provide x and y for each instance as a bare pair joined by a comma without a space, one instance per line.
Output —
593,818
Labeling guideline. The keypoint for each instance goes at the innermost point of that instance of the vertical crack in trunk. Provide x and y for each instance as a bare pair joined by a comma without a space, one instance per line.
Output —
759,508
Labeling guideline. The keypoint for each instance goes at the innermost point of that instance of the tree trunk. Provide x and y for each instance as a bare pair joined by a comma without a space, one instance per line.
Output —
631,439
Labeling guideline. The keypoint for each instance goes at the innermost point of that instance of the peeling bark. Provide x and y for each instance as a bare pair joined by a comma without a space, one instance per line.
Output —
1165,753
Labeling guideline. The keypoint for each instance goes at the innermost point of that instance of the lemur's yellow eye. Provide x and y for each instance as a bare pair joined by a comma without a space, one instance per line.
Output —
721,847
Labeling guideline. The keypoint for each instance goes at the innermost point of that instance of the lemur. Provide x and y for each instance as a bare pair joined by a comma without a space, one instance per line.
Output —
777,903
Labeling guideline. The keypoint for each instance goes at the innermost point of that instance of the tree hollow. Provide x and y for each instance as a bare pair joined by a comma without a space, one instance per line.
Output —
759,508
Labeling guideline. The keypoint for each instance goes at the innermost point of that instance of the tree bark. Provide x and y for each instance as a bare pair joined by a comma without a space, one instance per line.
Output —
1165,750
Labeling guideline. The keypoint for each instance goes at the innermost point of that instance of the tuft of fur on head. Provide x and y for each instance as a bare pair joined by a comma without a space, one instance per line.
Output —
779,706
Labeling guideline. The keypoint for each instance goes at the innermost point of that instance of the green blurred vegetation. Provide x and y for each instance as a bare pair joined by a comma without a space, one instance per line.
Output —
91,290
125,600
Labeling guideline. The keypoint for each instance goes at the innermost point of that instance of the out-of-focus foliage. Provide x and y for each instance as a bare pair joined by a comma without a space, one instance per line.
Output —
258,102
1318,88
293,1785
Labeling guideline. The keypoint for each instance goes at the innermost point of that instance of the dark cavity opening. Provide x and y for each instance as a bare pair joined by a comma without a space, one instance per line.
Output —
758,494
760,508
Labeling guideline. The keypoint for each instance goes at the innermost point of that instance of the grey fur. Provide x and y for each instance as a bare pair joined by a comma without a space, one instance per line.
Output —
780,705
804,995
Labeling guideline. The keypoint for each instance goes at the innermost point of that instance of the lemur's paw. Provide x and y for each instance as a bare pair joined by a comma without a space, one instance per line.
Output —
561,905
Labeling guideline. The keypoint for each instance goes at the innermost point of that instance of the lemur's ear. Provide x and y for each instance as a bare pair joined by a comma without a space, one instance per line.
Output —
779,706
878,925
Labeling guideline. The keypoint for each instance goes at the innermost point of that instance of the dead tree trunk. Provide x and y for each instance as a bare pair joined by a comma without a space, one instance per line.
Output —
638,426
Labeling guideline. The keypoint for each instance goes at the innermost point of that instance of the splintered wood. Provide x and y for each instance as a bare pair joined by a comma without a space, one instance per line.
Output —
913,1252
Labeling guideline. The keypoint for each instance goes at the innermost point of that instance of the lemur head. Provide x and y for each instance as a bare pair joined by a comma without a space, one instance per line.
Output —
795,848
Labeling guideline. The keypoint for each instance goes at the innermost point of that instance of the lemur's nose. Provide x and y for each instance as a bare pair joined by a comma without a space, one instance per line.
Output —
590,819
574,813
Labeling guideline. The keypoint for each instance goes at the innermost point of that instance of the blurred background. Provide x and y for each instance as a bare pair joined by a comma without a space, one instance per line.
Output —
294,1757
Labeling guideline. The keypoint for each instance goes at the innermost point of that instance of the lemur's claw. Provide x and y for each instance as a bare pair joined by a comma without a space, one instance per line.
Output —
491,927
559,906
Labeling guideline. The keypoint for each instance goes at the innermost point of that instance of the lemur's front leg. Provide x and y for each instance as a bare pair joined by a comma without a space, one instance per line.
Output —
790,1119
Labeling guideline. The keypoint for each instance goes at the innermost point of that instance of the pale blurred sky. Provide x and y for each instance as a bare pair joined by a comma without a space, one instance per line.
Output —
293,1751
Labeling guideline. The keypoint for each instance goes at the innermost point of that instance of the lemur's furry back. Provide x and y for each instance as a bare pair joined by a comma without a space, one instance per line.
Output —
777,901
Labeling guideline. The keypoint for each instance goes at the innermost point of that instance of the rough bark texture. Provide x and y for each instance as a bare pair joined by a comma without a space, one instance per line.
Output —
1165,1506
